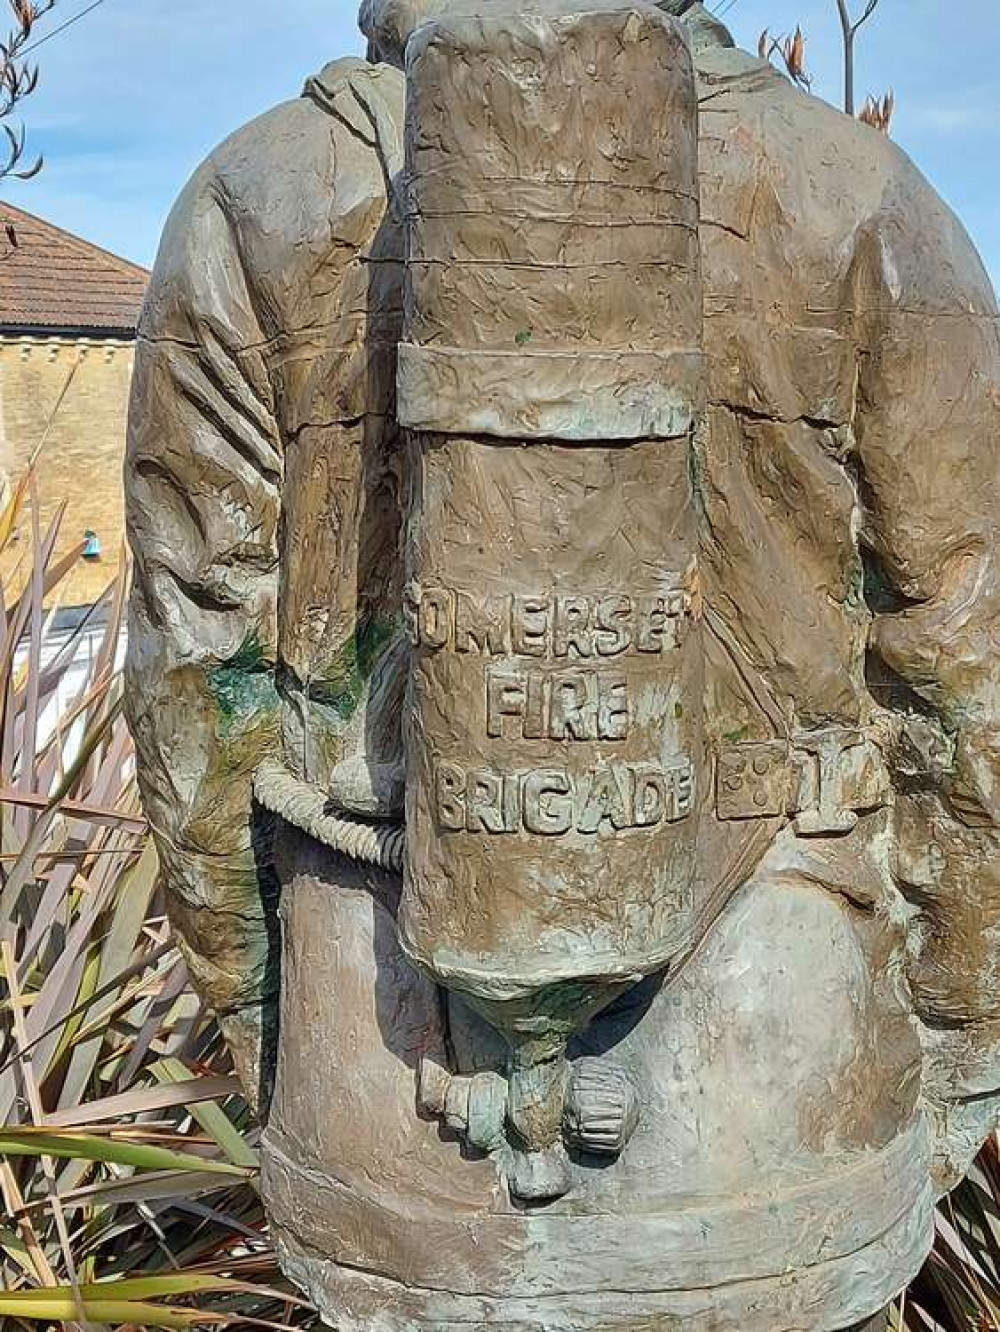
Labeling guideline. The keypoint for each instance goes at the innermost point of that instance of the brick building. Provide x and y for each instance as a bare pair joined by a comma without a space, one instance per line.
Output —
68,317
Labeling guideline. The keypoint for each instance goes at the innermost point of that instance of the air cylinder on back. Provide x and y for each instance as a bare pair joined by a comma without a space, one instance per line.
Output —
551,380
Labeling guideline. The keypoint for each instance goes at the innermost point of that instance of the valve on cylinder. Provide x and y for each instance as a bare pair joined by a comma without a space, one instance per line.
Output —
550,380
599,1117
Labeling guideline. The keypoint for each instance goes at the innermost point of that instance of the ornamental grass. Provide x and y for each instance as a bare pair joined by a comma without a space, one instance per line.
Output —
128,1157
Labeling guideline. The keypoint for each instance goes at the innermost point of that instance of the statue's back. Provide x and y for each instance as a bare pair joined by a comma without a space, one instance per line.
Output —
565,595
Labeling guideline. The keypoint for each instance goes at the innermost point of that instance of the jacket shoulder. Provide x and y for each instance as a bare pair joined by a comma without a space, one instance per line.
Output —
838,183
347,122
928,262
282,187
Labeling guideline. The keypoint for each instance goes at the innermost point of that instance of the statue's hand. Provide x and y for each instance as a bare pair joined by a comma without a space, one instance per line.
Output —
369,789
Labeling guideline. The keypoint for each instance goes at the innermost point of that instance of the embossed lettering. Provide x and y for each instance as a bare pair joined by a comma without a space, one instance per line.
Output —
573,708
485,803
571,627
605,800
585,704
683,776
529,625
652,626
649,797
548,803
536,705
560,626
614,632
434,616
612,706
505,697
480,626
450,784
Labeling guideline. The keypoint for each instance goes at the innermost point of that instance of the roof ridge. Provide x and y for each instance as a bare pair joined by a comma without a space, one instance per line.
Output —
77,242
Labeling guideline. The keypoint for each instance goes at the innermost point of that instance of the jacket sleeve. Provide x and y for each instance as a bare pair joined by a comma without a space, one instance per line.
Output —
202,481
929,481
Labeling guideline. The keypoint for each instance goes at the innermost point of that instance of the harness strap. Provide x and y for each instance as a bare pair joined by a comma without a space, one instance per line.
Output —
821,778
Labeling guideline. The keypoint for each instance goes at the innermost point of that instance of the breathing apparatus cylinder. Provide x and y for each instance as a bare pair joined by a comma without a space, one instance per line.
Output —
551,380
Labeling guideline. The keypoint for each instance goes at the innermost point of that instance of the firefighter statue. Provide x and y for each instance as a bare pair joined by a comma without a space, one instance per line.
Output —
564,664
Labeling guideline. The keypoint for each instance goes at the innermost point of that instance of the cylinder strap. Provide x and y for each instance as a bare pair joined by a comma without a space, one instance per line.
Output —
305,807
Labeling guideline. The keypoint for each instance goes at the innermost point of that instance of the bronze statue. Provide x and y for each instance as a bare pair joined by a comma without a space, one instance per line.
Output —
563,663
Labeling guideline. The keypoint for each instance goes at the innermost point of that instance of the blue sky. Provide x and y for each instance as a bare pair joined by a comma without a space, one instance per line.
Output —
134,95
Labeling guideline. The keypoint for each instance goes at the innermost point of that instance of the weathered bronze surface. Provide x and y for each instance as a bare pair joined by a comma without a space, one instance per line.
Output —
563,485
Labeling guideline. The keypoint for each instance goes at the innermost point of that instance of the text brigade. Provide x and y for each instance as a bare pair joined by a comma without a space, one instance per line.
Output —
551,802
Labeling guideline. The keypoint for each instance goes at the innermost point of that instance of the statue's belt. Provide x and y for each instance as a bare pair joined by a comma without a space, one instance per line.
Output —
822,780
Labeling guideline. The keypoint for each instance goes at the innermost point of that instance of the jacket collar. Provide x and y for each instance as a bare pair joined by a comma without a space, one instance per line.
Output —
706,30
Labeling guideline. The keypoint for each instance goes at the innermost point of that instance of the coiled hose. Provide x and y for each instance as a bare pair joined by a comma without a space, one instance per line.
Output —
306,808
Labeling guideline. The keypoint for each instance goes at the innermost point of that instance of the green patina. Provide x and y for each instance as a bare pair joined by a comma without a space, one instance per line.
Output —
345,684
243,686
856,585
877,588
698,473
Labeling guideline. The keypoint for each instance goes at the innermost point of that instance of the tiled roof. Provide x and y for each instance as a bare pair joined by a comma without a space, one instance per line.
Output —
51,280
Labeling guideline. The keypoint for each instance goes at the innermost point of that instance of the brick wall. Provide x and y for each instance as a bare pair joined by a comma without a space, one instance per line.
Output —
81,460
